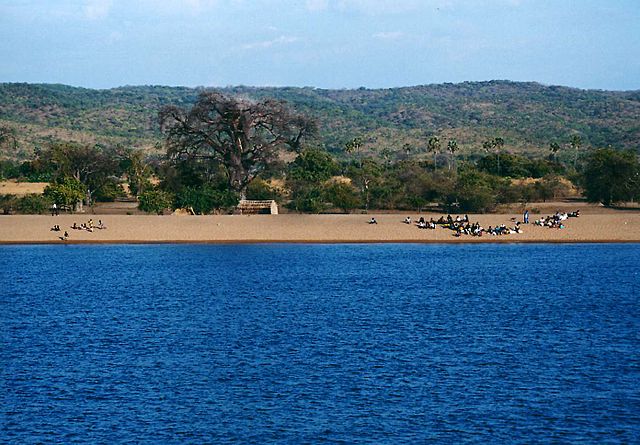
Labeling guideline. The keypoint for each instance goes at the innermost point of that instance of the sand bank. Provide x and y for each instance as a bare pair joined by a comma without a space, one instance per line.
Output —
623,226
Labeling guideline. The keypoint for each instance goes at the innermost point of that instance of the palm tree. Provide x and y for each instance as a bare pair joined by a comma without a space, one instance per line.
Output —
434,146
386,155
576,143
354,146
494,145
555,148
452,147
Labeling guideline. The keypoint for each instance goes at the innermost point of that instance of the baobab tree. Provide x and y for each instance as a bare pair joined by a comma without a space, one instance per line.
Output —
242,135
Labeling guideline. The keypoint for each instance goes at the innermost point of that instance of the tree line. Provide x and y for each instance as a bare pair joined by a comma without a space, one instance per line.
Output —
227,148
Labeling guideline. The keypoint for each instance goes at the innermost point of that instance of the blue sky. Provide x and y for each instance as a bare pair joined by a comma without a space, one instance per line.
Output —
320,43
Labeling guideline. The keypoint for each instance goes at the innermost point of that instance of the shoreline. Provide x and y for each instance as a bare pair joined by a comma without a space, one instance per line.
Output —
616,227
256,242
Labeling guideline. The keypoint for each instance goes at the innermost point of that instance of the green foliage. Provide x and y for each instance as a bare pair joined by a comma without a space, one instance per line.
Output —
66,191
475,191
205,200
33,203
155,201
7,203
260,190
612,176
528,114
343,196
9,170
312,165
110,190
307,197
515,166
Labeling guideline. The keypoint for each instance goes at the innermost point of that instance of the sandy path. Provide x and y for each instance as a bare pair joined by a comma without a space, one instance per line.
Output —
620,226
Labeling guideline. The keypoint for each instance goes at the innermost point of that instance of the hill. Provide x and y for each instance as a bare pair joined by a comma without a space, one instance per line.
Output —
528,116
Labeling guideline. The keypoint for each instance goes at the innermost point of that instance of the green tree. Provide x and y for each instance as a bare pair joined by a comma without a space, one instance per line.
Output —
433,146
612,176
205,200
138,171
576,143
494,146
452,147
475,191
307,197
155,201
353,147
364,177
7,203
66,192
33,203
342,195
554,147
261,190
93,166
312,165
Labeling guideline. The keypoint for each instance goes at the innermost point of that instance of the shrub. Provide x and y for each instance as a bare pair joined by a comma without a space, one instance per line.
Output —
307,198
33,204
204,200
7,203
109,191
155,201
65,192
259,189
342,195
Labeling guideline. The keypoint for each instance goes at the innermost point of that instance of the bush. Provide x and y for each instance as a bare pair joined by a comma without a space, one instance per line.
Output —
206,199
109,191
342,195
65,192
155,201
612,176
259,189
7,203
307,198
475,191
33,204
312,166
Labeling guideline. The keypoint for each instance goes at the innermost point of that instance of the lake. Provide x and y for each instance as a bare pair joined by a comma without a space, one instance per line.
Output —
293,343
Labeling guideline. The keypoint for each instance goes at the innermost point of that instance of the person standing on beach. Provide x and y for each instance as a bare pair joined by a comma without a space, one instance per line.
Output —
526,216
54,209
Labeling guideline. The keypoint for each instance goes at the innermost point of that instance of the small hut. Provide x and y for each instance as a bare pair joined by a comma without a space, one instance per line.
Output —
252,207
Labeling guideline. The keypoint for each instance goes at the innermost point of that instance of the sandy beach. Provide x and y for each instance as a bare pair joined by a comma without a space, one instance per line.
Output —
621,226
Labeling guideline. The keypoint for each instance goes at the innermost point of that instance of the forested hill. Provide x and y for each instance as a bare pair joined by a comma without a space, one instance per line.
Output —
528,116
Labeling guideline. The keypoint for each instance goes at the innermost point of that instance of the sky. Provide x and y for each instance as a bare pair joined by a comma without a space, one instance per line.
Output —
591,44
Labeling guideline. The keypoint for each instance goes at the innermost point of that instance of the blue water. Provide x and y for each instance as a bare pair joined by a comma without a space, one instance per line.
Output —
320,344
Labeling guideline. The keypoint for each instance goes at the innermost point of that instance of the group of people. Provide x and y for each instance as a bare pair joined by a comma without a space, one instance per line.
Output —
461,225
556,220
88,226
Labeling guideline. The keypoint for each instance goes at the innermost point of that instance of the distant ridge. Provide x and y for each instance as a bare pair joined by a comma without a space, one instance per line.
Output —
527,115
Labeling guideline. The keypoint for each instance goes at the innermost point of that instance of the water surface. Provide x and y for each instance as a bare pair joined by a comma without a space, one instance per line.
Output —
320,343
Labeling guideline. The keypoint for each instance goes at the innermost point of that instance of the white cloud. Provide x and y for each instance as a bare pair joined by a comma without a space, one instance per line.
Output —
282,40
97,9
